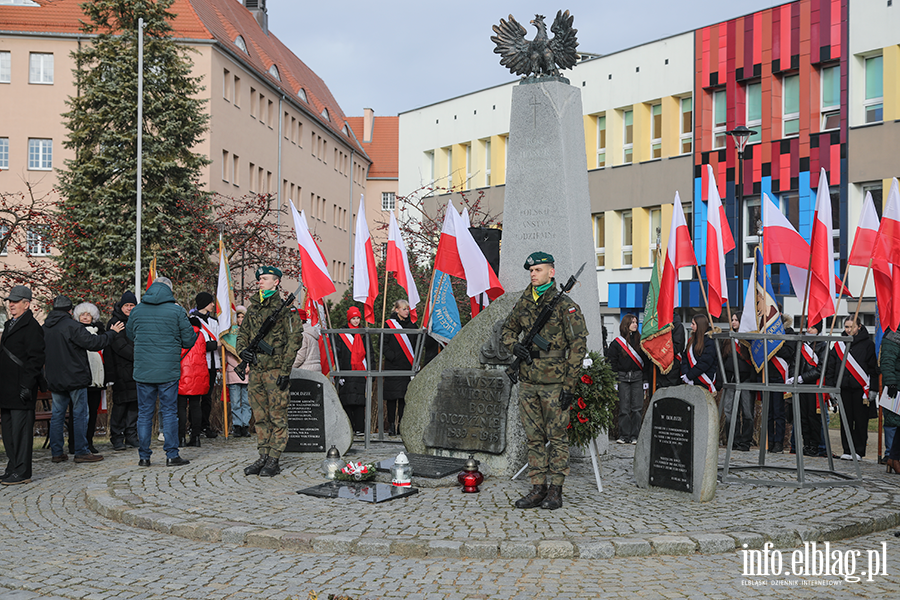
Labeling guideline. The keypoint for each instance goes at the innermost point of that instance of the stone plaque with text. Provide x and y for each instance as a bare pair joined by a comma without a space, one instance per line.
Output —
470,411
306,417
672,445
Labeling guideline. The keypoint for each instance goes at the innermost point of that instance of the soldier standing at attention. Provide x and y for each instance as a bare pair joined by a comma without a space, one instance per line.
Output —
270,374
547,385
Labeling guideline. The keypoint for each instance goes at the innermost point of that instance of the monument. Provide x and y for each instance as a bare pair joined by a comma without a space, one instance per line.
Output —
547,208
316,419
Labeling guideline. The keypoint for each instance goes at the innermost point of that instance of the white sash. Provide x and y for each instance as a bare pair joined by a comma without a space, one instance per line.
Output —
348,341
859,374
630,351
405,343
704,378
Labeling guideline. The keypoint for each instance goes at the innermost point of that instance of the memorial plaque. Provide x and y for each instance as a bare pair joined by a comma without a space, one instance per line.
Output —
364,491
306,417
672,445
470,411
425,465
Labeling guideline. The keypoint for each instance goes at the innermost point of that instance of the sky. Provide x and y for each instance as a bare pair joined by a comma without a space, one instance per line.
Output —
401,55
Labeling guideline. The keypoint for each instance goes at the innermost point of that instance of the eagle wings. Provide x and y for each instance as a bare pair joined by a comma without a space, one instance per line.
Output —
541,55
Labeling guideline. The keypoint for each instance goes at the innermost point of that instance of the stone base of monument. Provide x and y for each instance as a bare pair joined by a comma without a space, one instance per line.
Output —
678,447
316,419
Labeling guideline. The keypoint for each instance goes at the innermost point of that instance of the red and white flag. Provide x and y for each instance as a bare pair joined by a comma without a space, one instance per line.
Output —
313,269
365,274
679,253
719,242
889,232
821,286
480,276
398,263
866,247
447,259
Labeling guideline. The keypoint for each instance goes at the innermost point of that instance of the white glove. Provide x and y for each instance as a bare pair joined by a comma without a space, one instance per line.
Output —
218,377
873,396
616,386
790,380
646,386
341,381
685,379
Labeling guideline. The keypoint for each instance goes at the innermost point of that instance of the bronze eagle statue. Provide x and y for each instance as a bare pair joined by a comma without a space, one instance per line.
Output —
541,55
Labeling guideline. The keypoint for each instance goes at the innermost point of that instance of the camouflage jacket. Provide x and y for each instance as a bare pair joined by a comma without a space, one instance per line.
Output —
566,330
286,337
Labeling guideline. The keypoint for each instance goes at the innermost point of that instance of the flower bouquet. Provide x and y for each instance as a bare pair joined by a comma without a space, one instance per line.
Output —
356,471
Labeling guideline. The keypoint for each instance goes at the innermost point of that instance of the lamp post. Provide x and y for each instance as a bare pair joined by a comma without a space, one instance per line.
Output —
741,135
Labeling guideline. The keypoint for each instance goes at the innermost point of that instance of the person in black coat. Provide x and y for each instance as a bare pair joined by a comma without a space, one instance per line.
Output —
857,384
699,363
673,377
398,356
743,428
21,361
811,357
119,359
351,355
629,362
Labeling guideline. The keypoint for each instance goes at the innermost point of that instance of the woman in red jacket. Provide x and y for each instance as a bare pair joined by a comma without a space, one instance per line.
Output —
192,385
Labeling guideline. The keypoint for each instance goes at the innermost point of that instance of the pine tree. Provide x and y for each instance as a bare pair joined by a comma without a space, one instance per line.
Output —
98,188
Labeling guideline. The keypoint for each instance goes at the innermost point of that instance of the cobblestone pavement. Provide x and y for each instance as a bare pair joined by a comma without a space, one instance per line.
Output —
57,545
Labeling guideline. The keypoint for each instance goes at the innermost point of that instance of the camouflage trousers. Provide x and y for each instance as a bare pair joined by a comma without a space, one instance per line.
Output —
269,405
544,420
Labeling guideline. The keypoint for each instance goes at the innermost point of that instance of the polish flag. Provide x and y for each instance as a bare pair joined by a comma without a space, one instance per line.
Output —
447,259
480,276
365,274
314,272
889,232
719,242
398,263
679,253
866,248
821,286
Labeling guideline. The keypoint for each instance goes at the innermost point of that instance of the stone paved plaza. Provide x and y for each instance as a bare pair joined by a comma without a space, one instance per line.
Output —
114,530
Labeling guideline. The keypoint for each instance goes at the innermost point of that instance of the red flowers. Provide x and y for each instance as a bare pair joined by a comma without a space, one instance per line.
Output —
582,404
587,379
582,419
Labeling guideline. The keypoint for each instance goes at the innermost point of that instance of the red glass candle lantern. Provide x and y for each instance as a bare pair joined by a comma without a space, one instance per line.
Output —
470,478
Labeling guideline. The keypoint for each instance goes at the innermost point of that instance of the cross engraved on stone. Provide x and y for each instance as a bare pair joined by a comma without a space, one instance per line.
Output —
534,104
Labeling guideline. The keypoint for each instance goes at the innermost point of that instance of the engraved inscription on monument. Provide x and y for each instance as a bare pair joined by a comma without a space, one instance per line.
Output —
469,411
672,445
306,417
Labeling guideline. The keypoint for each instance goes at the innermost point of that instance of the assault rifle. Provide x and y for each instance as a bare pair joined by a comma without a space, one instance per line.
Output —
257,344
534,335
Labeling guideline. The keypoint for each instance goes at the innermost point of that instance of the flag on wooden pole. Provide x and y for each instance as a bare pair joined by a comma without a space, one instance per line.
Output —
151,275
398,262
680,253
225,297
719,242
365,274
314,271
866,247
821,286
655,340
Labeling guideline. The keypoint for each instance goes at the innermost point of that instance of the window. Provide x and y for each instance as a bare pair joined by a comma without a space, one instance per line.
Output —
37,243
5,67
468,166
4,153
656,131
253,102
628,137
754,111
225,163
790,96
627,238
600,240
239,42
687,125
487,163
450,168
301,93
873,102
237,91
235,169
836,221
273,71
325,114
719,119
875,188
601,141
388,200
752,220
831,97
655,228
226,84
251,184
40,155
41,68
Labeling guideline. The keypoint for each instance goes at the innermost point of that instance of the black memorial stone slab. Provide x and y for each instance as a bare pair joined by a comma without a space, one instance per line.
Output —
672,445
425,465
469,411
306,417
364,491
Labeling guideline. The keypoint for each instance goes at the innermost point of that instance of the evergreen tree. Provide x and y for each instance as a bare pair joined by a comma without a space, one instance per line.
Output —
97,234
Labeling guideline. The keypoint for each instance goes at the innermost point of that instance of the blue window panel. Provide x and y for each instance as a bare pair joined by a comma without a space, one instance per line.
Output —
613,296
699,233
807,206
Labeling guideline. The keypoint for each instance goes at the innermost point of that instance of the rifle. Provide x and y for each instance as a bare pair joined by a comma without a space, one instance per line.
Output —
534,335
257,344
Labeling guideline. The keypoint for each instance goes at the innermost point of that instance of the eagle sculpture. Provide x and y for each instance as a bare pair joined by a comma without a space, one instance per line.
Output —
541,55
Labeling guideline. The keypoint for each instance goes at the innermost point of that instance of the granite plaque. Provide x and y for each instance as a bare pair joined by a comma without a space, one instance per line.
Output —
470,411
306,417
672,445
364,491
425,465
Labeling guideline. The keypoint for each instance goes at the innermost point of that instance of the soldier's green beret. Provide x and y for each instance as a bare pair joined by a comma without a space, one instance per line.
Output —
538,258
268,271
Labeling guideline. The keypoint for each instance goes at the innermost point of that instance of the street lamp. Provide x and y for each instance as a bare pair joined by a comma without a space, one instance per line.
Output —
741,135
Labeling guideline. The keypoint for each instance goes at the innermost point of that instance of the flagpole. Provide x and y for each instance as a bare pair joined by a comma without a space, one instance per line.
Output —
224,385
843,283
426,316
803,314
858,302
703,291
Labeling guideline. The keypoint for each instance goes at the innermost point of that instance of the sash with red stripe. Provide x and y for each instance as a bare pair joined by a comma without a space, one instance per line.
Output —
781,366
630,351
710,384
348,340
811,358
858,373
405,343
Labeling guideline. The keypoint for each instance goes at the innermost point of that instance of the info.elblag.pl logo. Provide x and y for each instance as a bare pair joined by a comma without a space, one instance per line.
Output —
815,560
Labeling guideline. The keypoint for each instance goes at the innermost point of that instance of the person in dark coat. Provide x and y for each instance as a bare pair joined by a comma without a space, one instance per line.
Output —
398,356
856,385
811,357
699,363
68,374
88,315
351,354
120,371
743,427
629,363
673,377
21,361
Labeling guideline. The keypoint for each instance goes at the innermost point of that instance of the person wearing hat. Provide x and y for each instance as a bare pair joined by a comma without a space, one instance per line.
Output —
351,356
237,387
209,328
21,361
547,378
68,374
270,374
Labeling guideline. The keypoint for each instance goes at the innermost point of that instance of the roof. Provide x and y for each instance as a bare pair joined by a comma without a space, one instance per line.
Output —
218,21
384,149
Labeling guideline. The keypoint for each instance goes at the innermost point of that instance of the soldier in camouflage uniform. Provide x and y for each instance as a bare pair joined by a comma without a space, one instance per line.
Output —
269,374
547,384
